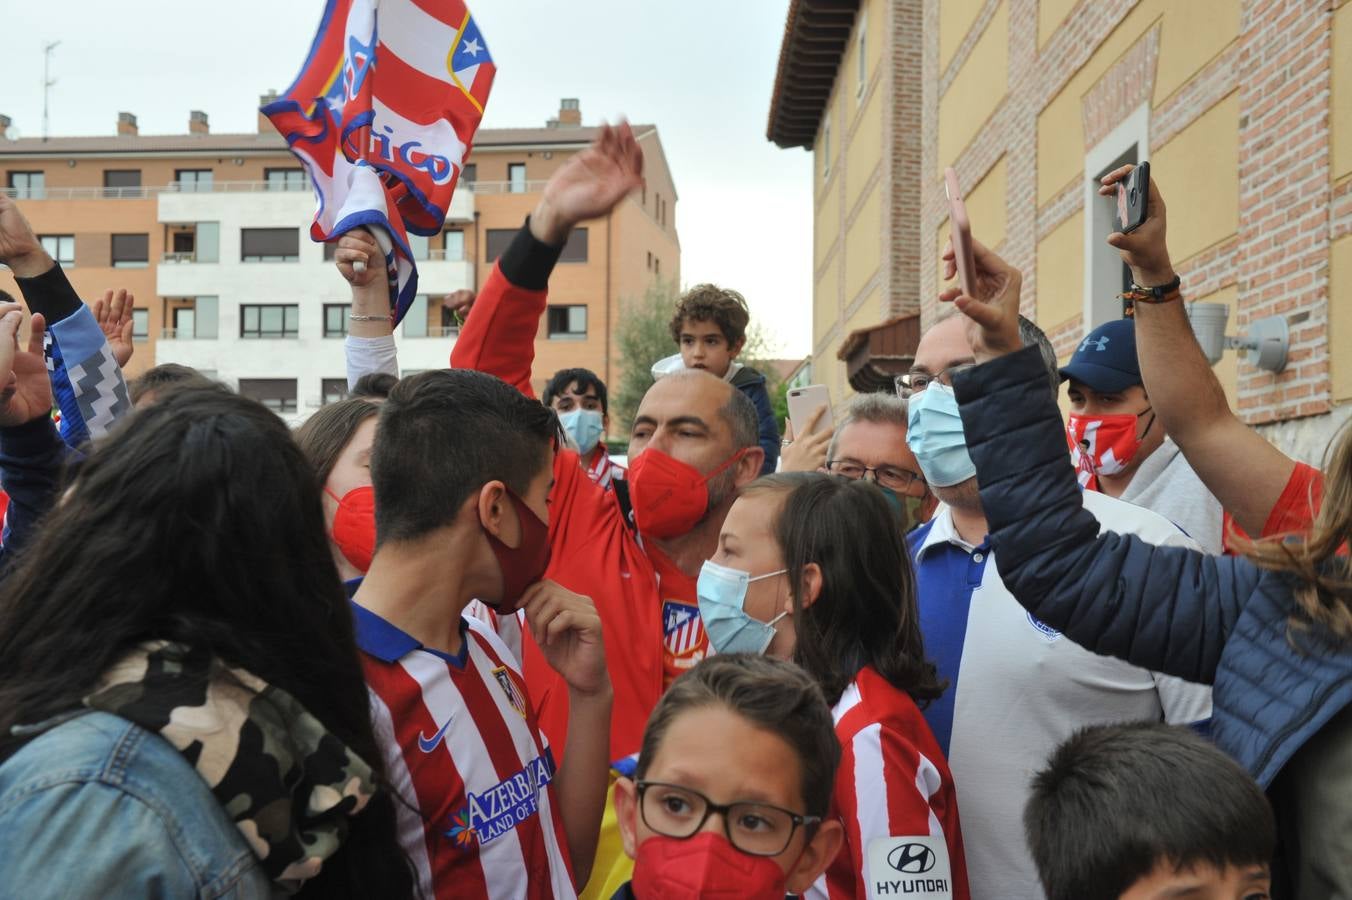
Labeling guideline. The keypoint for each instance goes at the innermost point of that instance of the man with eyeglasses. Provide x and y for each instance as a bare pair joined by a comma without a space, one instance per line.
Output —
871,443
1017,688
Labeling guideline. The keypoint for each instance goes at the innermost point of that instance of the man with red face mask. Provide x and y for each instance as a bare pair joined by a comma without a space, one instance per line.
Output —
694,443
1118,444
462,467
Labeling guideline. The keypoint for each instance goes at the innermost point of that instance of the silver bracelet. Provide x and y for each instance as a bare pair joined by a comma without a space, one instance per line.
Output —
356,318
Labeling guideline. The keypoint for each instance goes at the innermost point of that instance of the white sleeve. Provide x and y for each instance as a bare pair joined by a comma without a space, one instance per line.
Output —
366,356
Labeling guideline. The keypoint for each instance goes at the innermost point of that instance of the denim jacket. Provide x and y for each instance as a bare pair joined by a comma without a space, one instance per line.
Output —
99,807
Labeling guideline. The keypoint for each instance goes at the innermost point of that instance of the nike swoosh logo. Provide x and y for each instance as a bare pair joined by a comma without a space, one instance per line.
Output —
427,745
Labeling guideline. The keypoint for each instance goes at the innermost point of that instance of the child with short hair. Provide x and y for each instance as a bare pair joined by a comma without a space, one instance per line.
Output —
732,787
1148,811
709,327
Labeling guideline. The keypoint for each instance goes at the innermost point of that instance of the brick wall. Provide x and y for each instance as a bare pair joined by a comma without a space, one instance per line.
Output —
1288,212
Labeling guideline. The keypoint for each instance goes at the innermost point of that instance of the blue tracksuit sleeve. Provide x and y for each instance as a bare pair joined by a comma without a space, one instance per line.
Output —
32,458
1169,609
87,383
768,428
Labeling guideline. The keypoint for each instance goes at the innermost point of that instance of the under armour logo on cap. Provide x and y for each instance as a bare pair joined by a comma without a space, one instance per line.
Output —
1100,344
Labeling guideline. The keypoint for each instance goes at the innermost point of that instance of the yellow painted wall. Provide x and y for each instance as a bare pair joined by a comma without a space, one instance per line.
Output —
1060,273
1050,14
863,246
955,20
1341,104
865,150
986,206
826,302
827,227
977,90
1197,172
1189,46
1227,370
1194,33
941,237
1340,317
866,315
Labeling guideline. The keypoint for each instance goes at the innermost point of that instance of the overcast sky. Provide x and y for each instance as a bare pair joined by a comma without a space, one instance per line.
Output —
702,71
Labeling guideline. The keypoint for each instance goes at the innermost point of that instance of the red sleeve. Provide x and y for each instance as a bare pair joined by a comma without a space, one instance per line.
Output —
881,791
1298,505
499,334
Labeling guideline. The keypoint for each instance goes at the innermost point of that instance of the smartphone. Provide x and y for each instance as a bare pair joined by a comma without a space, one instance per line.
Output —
1132,194
960,230
803,405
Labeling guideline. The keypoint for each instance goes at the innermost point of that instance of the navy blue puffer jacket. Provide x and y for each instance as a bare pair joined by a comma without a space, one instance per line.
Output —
1215,620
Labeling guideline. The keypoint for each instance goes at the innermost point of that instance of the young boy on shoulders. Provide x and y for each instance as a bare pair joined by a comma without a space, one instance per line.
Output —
709,327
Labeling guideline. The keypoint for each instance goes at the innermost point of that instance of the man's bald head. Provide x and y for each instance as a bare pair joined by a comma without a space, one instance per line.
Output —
699,387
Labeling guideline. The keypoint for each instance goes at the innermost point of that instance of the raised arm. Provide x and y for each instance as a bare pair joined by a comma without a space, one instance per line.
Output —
369,346
1245,472
32,454
499,334
1169,609
85,373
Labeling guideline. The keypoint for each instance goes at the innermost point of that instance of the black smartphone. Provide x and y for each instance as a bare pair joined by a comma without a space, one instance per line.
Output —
1132,194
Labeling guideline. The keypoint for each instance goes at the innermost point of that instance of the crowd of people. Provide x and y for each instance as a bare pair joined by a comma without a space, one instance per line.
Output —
438,643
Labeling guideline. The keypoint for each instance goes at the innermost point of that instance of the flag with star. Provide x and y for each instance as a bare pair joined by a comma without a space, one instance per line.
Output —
382,116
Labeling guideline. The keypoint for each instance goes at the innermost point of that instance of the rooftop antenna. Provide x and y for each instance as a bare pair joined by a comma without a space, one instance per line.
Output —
47,81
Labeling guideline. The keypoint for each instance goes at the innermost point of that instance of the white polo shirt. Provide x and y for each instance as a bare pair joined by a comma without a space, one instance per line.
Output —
1017,688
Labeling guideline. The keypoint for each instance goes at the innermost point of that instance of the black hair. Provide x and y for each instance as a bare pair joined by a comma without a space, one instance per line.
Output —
866,612
773,695
374,384
1030,334
583,378
445,433
1115,801
164,376
197,520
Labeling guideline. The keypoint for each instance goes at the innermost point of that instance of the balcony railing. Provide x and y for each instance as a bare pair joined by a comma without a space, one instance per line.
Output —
440,256
504,187
150,192
179,257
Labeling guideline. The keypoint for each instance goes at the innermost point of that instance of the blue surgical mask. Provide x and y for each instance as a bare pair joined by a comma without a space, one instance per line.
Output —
722,595
934,434
584,427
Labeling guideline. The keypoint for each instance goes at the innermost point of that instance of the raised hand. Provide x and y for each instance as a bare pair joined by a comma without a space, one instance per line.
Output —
27,391
807,453
993,315
1144,250
567,629
590,184
113,311
20,249
359,246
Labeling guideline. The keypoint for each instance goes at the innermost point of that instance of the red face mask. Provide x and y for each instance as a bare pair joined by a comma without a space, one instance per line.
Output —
669,496
1103,445
354,525
524,564
704,866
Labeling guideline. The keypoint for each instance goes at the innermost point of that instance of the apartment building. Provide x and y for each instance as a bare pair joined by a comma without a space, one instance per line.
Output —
1243,107
211,233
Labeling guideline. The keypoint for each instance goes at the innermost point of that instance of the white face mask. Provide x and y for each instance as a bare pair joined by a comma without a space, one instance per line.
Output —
722,599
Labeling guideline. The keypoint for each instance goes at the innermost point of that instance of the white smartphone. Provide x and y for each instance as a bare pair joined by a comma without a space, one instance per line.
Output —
803,405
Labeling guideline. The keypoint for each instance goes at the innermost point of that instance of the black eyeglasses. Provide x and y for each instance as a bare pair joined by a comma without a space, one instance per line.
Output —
915,382
757,829
887,476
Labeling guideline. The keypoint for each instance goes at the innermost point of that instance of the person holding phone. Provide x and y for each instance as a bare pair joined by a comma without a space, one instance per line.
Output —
1264,490
1272,630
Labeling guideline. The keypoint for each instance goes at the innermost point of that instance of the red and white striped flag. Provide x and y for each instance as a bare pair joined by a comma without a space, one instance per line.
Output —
382,116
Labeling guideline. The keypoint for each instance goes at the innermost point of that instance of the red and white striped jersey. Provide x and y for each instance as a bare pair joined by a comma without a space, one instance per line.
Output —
895,796
461,745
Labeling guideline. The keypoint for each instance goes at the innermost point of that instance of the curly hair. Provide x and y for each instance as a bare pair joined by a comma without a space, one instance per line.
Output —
710,303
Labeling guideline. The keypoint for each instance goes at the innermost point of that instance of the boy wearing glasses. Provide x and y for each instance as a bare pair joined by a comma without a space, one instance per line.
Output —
732,785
